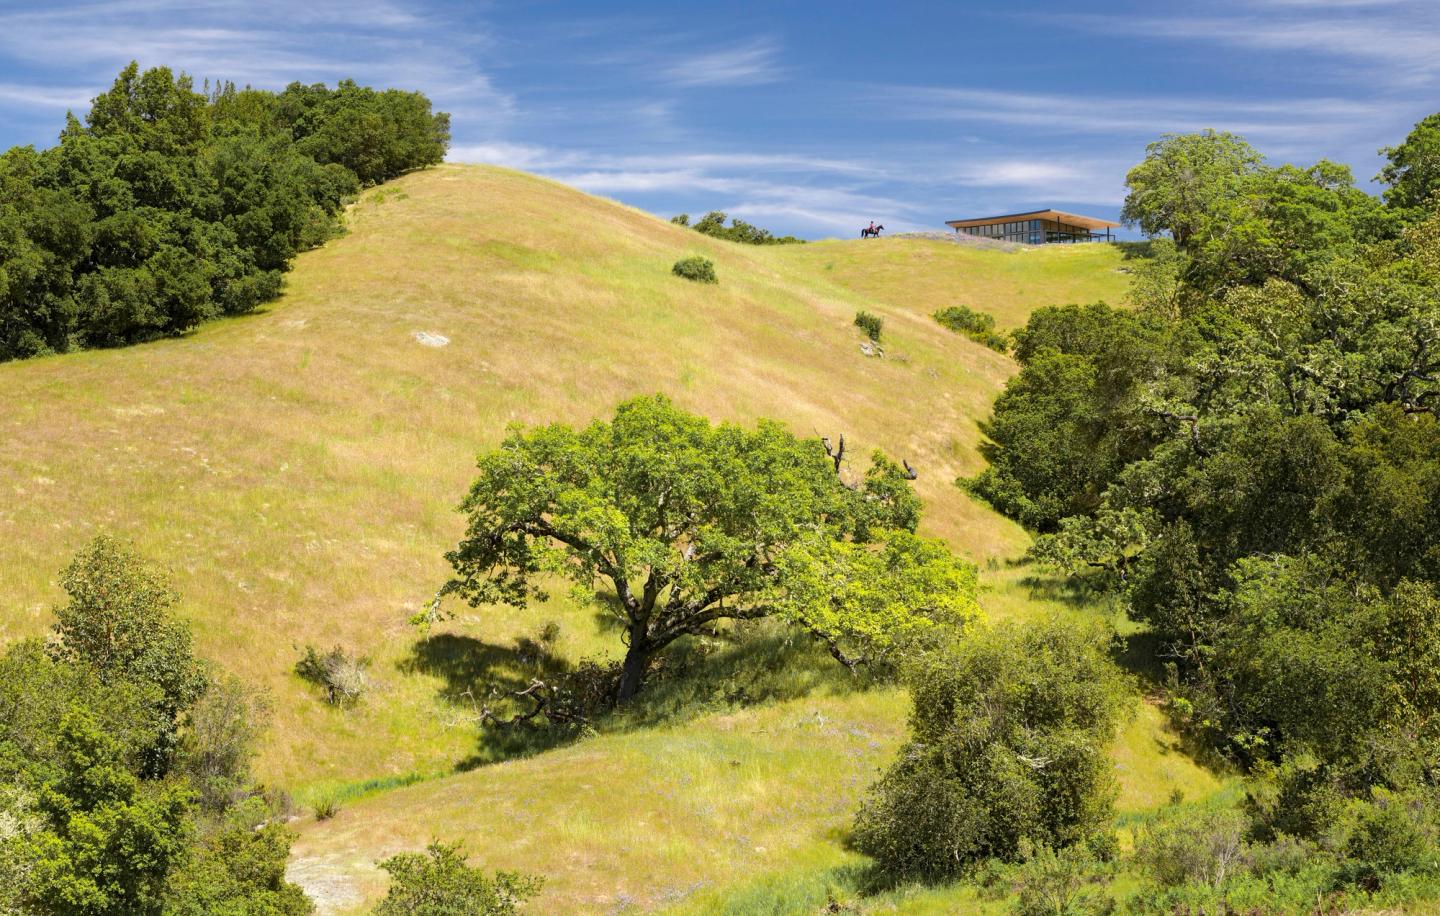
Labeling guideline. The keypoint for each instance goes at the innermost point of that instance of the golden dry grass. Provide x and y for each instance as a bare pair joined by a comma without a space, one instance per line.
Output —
297,469
924,275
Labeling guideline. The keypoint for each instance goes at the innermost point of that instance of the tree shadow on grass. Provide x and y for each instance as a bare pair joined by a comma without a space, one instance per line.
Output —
751,665
745,665
1067,590
1138,250
1145,655
1141,654
475,674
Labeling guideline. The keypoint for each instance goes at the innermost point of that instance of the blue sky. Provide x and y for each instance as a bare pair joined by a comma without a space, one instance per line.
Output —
811,118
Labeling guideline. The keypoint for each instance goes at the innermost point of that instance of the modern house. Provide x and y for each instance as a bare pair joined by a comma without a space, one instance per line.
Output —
1037,227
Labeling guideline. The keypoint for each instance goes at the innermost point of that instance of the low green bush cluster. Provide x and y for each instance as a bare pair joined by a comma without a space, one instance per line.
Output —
437,882
978,326
870,323
1377,852
696,268
344,676
713,225
1008,751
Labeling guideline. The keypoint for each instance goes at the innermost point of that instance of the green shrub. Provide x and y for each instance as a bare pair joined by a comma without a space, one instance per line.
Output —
108,837
977,326
124,781
439,883
344,677
696,268
1008,746
223,732
1193,848
1376,853
870,324
713,225
1386,838
238,867
120,623
1062,883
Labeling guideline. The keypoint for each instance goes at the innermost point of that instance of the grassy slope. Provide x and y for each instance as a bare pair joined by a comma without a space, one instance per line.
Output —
297,470
925,275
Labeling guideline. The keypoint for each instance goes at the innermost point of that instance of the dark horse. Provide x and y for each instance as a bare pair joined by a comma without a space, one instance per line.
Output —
871,232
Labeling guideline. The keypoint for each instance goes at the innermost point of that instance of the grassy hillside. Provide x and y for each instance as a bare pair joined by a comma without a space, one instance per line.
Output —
297,470
923,275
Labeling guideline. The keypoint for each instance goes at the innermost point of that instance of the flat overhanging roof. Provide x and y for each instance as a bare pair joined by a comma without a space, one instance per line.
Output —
1059,216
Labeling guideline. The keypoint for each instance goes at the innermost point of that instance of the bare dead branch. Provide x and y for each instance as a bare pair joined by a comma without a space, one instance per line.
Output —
1188,418
837,455
540,695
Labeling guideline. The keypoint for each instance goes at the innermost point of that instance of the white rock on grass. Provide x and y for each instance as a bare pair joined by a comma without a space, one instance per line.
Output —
431,339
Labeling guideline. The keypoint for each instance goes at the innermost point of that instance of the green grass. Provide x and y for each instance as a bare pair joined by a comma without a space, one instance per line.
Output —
297,470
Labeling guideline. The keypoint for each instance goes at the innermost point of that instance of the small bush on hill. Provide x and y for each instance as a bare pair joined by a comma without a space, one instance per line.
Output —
696,268
1204,848
713,224
439,883
870,324
238,867
1008,746
1386,837
1376,853
223,731
344,676
1063,883
977,326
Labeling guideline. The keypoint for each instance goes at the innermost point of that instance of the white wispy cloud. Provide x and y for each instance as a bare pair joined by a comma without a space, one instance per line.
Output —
1092,178
1331,4
747,64
58,97
1282,126
265,43
1397,42
530,156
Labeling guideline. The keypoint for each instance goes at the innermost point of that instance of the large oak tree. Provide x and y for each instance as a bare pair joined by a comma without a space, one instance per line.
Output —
690,524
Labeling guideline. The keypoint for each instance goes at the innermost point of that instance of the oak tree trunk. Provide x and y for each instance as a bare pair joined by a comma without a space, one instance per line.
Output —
632,672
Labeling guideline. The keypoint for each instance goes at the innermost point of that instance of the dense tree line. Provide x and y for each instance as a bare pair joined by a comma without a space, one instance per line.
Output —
167,206
1250,458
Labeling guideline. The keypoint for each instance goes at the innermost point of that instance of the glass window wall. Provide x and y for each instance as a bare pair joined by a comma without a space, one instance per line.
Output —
1032,232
